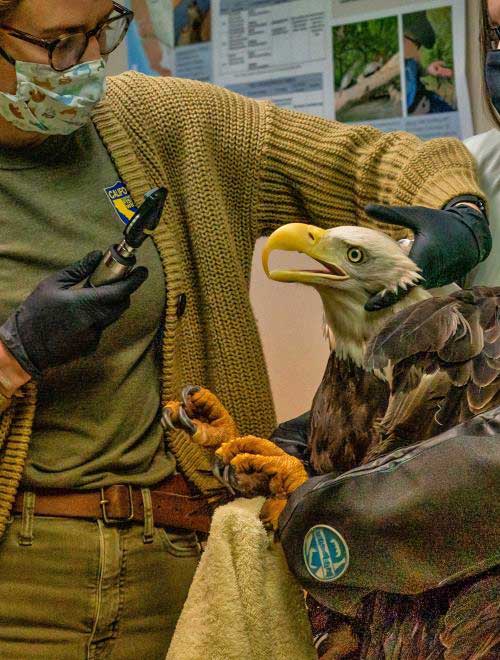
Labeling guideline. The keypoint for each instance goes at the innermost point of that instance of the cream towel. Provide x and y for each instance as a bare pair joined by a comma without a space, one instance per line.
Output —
243,603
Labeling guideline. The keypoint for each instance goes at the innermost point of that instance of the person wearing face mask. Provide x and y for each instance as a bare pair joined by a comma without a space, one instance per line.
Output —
91,564
486,147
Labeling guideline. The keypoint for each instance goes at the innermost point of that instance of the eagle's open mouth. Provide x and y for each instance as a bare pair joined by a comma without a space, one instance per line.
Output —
332,269
304,239
329,272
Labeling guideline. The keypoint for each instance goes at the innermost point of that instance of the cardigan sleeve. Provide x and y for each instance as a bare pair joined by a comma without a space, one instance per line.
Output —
271,165
325,172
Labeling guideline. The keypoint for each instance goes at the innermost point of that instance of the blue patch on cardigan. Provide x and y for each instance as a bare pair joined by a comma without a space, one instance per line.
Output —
326,554
121,201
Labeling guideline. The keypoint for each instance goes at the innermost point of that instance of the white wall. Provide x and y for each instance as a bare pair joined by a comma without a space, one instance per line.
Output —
290,316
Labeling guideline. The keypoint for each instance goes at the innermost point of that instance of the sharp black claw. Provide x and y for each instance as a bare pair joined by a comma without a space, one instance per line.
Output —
186,421
166,420
218,469
230,477
187,391
223,474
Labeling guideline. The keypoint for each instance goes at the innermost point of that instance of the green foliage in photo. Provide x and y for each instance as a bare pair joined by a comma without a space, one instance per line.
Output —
356,45
441,21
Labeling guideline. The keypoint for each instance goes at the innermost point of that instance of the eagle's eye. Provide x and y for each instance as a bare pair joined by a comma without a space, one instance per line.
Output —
355,255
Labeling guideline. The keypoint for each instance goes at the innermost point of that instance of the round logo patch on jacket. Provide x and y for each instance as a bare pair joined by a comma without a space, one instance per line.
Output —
326,554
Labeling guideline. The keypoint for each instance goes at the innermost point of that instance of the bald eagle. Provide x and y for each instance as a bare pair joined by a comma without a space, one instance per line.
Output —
394,378
399,375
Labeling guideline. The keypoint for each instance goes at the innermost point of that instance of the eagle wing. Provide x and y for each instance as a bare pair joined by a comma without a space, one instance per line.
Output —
444,359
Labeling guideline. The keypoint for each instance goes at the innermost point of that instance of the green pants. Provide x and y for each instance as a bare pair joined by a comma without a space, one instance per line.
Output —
73,589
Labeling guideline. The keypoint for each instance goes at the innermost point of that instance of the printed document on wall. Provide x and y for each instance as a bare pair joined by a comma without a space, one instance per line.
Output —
402,68
275,49
171,37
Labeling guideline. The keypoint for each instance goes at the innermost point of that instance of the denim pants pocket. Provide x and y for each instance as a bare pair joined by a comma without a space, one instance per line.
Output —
179,542
86,591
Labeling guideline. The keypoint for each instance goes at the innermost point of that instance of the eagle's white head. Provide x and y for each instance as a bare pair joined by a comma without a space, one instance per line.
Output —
356,262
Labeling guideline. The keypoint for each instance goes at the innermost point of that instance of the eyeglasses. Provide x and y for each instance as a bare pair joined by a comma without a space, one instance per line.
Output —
68,49
494,36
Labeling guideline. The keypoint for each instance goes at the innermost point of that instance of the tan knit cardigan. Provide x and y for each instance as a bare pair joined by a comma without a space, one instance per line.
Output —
236,169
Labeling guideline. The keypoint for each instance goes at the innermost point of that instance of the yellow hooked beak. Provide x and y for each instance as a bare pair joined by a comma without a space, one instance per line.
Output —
299,237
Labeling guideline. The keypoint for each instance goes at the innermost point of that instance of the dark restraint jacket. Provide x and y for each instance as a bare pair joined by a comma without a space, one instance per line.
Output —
406,547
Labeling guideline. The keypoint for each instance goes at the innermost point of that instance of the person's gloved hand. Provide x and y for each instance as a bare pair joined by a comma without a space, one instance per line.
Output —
59,322
448,243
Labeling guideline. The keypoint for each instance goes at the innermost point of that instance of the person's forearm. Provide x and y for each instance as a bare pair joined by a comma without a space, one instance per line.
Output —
412,521
327,172
12,375
142,19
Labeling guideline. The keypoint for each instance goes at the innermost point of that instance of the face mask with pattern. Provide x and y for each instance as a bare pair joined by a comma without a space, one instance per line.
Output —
493,77
54,102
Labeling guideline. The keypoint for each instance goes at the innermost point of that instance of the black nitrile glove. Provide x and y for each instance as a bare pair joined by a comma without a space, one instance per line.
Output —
59,322
448,244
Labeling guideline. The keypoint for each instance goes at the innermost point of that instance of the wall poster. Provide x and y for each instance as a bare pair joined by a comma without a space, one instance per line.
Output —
398,66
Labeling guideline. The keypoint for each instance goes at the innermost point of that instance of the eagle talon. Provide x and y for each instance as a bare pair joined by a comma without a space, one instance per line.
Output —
271,511
222,473
199,413
186,421
166,420
218,470
188,391
268,526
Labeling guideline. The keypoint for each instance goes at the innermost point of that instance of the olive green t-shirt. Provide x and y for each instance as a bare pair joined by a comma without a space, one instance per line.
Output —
97,419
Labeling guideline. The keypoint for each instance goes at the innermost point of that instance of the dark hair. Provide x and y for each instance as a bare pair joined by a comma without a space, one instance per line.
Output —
485,47
419,29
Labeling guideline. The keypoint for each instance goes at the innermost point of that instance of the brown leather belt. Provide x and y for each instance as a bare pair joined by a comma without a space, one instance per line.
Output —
174,504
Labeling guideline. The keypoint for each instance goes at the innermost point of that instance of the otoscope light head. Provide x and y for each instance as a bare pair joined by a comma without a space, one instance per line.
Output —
147,217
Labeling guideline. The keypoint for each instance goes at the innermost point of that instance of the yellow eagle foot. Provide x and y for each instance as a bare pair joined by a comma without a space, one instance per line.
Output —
259,467
202,415
271,511
248,444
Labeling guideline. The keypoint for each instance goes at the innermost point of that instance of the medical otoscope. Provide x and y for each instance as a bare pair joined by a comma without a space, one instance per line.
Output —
119,259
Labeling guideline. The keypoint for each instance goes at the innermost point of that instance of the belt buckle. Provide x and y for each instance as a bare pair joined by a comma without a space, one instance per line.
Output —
112,520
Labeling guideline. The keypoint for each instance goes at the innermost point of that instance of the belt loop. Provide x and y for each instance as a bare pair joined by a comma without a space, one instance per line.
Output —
25,536
149,523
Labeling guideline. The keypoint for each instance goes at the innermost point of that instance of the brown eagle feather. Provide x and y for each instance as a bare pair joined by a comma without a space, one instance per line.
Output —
343,416
444,354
